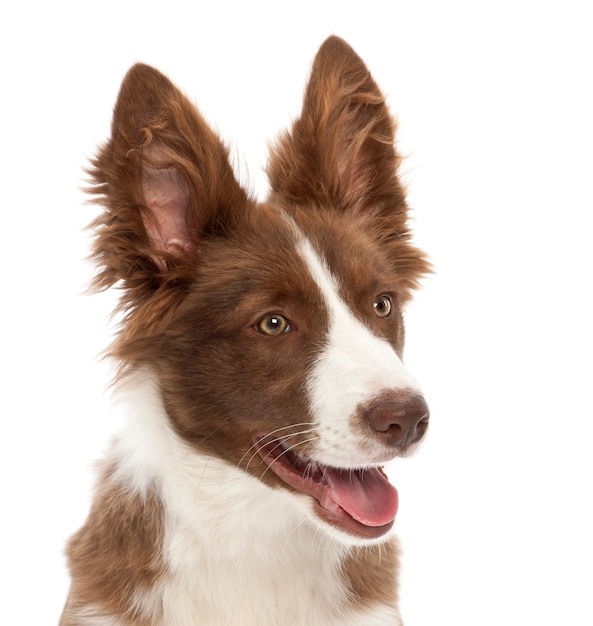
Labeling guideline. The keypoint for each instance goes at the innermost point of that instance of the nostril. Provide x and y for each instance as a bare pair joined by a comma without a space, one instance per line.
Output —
423,423
419,430
400,420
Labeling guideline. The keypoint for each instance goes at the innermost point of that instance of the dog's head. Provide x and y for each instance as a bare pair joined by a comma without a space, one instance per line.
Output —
274,329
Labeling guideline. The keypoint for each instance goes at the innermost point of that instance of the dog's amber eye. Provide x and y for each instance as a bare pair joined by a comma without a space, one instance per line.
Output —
273,325
383,305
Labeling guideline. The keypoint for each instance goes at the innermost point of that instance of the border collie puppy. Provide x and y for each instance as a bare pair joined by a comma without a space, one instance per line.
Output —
260,366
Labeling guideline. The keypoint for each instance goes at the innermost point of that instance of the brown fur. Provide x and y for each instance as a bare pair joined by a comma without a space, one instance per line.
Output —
116,553
372,574
340,155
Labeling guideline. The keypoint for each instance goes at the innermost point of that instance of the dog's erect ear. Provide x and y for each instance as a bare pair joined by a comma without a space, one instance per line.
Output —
164,180
339,154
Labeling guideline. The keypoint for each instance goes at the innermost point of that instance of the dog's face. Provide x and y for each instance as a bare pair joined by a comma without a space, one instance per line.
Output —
275,329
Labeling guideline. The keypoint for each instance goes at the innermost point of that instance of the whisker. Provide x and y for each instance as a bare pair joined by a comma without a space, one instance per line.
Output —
288,450
255,446
277,430
280,443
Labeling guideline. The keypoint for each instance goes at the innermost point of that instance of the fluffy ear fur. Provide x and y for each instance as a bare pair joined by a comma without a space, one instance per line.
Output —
165,182
340,155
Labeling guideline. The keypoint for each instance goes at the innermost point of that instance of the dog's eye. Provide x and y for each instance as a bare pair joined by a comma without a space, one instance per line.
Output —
273,325
383,305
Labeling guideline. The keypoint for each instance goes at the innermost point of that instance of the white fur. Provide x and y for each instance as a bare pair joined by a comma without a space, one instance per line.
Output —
354,367
92,615
274,567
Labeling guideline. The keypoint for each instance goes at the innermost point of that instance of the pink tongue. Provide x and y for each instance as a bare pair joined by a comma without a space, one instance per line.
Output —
366,495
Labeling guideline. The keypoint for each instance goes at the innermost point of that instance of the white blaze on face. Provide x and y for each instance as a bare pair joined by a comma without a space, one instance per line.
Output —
354,367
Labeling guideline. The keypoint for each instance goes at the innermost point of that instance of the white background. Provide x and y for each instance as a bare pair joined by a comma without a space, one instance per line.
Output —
495,110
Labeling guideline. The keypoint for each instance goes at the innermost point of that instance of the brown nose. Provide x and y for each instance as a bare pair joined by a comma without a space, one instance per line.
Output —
401,421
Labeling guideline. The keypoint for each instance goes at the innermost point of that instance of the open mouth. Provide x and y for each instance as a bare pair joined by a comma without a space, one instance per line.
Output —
361,502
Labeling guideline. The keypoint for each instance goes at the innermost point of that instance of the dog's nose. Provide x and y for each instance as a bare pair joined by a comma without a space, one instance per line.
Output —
400,421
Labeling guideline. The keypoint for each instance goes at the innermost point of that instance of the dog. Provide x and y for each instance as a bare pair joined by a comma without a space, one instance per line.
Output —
259,366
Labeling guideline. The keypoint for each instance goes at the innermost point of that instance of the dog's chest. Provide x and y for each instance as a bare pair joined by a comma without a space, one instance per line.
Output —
249,558
227,591
275,587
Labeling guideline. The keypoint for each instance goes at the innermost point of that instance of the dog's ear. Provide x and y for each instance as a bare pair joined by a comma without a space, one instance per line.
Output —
165,182
339,155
